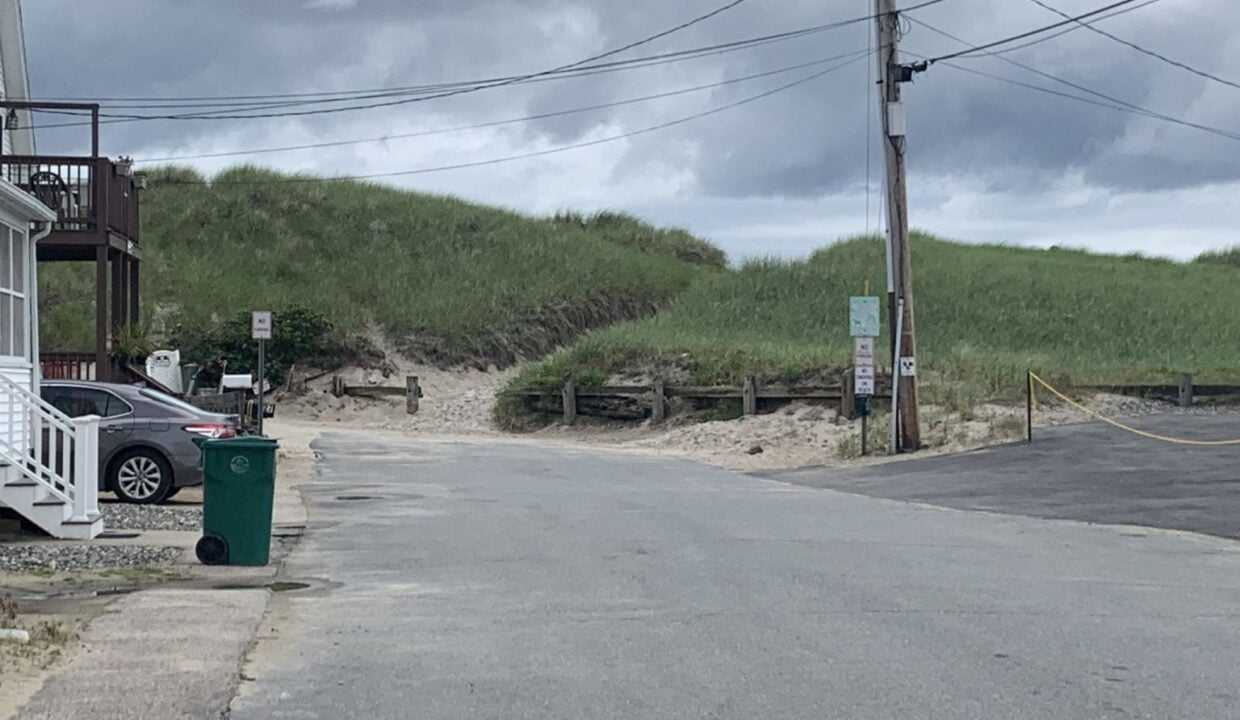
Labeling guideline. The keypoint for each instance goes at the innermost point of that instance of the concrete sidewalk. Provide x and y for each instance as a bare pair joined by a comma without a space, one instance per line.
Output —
156,655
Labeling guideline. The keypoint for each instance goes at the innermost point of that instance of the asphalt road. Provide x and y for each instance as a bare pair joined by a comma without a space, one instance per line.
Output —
508,581
1090,472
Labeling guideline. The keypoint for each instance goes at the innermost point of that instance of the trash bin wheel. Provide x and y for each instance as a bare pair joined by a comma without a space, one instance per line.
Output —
211,550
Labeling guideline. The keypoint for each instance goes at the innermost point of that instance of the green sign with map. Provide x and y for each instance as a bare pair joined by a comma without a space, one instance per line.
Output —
863,316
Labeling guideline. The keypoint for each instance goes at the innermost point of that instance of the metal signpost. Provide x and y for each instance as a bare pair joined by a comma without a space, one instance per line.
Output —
863,325
260,330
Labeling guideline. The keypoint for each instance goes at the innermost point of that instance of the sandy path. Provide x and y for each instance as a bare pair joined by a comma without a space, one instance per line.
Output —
459,403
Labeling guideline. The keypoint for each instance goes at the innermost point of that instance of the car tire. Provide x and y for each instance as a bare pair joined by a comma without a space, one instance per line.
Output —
172,491
140,476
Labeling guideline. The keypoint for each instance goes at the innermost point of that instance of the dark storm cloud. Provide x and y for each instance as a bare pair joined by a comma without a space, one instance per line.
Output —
808,141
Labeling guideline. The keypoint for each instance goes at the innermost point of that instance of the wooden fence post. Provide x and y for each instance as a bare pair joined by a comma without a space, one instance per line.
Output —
1186,390
570,402
848,403
749,396
658,402
337,386
412,392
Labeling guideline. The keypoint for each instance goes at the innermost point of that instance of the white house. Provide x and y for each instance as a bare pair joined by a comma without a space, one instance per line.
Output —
13,73
48,462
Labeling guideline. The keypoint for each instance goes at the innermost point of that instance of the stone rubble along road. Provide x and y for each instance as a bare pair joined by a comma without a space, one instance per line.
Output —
19,558
124,516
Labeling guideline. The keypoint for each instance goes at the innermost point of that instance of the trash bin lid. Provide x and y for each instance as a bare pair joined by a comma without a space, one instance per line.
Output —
259,443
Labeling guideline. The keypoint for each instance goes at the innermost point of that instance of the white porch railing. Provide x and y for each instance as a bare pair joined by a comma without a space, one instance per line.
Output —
60,454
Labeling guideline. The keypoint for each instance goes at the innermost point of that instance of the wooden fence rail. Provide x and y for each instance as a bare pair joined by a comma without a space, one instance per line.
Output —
411,391
656,395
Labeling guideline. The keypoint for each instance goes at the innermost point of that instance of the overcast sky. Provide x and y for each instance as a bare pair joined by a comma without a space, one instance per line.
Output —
988,161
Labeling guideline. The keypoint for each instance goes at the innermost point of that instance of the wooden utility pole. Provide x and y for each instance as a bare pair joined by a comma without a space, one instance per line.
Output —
892,73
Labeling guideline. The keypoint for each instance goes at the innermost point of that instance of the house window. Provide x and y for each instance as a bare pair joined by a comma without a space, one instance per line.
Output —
13,293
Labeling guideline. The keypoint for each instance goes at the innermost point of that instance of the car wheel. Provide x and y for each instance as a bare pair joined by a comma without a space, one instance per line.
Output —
172,493
141,476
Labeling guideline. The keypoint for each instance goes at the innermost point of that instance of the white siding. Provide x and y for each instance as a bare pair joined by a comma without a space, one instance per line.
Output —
14,424
17,264
4,134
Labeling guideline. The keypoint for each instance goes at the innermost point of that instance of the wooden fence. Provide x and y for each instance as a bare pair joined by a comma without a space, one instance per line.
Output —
1184,393
653,399
229,403
411,391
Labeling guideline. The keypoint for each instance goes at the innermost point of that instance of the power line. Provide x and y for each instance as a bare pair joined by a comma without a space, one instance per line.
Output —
461,91
1131,107
1052,36
549,151
1138,48
468,88
583,71
1030,33
344,95
509,121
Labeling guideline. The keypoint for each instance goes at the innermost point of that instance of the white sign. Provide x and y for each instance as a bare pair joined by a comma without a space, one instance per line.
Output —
863,380
863,312
863,351
908,367
260,325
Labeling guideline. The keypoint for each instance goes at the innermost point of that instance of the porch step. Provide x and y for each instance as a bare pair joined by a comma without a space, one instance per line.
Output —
81,529
25,498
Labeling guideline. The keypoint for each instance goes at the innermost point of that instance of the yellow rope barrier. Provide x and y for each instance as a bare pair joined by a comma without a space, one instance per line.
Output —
1122,426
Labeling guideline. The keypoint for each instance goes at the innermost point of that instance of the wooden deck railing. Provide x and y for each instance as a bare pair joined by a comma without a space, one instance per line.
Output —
87,193
68,366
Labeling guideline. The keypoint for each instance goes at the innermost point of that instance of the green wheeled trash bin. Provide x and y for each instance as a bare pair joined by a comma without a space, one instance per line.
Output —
238,486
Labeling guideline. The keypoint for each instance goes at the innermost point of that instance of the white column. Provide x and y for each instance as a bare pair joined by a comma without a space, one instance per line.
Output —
85,468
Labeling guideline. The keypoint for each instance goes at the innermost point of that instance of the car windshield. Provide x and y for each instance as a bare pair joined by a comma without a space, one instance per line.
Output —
170,401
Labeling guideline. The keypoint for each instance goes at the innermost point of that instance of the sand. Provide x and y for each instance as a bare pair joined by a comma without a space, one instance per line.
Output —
459,403
453,402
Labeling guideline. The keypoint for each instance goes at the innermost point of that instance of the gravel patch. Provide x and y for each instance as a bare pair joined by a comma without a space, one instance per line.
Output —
123,516
23,558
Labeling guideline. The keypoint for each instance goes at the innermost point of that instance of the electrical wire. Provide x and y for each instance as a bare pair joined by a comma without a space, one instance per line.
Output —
1052,36
1030,33
461,91
1138,48
584,71
482,85
509,121
1114,102
549,151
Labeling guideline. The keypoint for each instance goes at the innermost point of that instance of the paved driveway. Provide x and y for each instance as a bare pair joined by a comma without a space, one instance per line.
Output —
1090,472
513,581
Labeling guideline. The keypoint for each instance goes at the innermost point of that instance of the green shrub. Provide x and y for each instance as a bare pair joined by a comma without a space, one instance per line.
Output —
299,337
